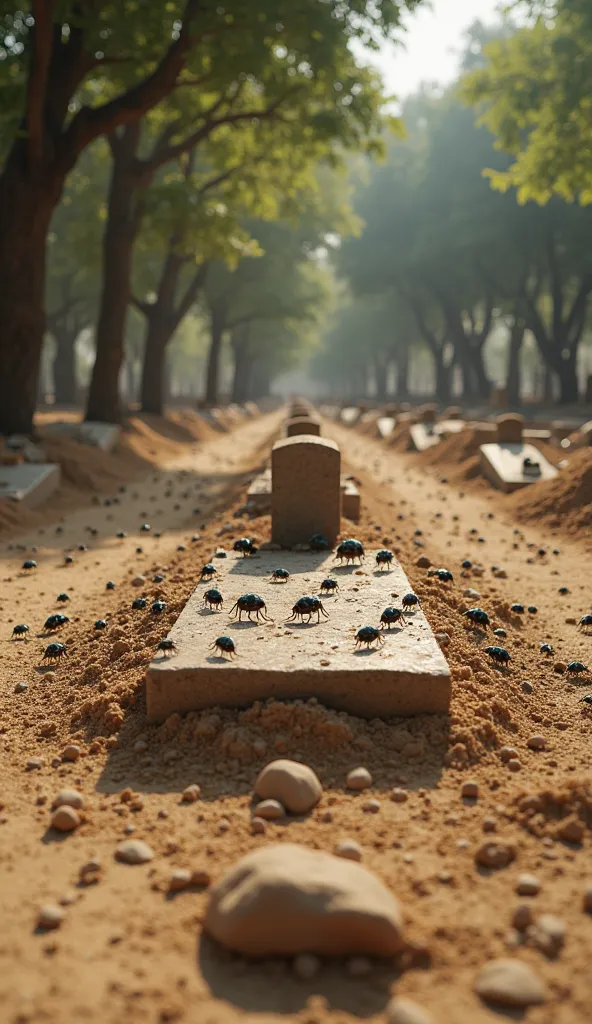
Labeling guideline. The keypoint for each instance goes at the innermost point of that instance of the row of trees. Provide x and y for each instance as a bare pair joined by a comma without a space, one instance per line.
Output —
451,251
202,118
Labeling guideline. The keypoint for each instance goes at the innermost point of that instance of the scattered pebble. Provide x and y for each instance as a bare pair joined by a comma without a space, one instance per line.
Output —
536,742
510,983
470,790
65,819
358,779
547,934
68,798
495,853
71,752
401,1010
50,916
294,785
191,794
399,796
349,849
134,851
528,885
270,810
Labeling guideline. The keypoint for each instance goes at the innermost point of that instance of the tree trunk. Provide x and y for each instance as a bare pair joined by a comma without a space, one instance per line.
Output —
568,380
27,202
443,376
242,365
402,374
118,244
482,382
152,388
381,380
513,375
64,366
217,325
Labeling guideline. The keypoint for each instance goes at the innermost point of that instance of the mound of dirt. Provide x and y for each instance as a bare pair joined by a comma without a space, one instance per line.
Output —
565,501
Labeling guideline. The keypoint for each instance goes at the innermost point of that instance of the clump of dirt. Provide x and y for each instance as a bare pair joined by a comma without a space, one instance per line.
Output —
565,501
455,449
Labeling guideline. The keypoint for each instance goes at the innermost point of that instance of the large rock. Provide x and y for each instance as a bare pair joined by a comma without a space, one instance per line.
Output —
287,899
295,785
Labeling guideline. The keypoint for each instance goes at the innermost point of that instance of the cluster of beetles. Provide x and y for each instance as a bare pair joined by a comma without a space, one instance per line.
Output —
348,552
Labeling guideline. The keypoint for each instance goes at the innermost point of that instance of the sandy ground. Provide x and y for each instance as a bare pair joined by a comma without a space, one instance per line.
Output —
129,950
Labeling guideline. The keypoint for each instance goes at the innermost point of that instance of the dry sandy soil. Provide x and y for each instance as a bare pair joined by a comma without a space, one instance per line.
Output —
127,948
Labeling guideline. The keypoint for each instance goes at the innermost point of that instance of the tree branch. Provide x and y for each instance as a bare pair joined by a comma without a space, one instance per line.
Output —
90,122
191,293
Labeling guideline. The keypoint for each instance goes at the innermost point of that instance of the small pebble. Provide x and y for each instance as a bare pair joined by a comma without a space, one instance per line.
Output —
547,934
371,806
258,826
401,1010
587,900
400,796
21,687
510,983
470,790
191,794
358,779
495,853
536,743
134,851
507,753
65,819
50,916
270,810
528,885
179,880
71,752
68,798
522,917
514,764
349,849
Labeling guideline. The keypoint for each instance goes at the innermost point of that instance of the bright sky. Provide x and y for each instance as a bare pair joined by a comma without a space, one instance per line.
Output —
430,47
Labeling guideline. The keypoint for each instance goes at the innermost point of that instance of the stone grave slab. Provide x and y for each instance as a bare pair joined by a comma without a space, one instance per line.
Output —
28,482
423,436
408,675
447,427
259,492
350,415
350,501
385,426
259,496
502,464
303,425
306,491
100,435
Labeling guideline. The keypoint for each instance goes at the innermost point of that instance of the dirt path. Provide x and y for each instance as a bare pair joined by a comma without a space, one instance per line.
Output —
130,950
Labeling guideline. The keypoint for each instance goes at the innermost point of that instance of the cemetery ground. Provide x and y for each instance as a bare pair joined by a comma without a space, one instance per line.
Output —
461,806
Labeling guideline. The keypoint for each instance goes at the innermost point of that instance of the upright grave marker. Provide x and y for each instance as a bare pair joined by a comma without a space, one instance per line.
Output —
303,425
306,492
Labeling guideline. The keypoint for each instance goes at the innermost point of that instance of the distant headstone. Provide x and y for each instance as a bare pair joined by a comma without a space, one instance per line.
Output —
499,398
510,428
306,491
453,412
303,425
350,500
428,413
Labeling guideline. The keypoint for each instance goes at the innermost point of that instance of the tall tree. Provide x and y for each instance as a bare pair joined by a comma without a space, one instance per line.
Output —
73,71
534,93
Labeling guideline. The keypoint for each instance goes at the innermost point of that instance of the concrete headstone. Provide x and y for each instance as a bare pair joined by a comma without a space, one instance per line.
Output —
306,491
303,425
